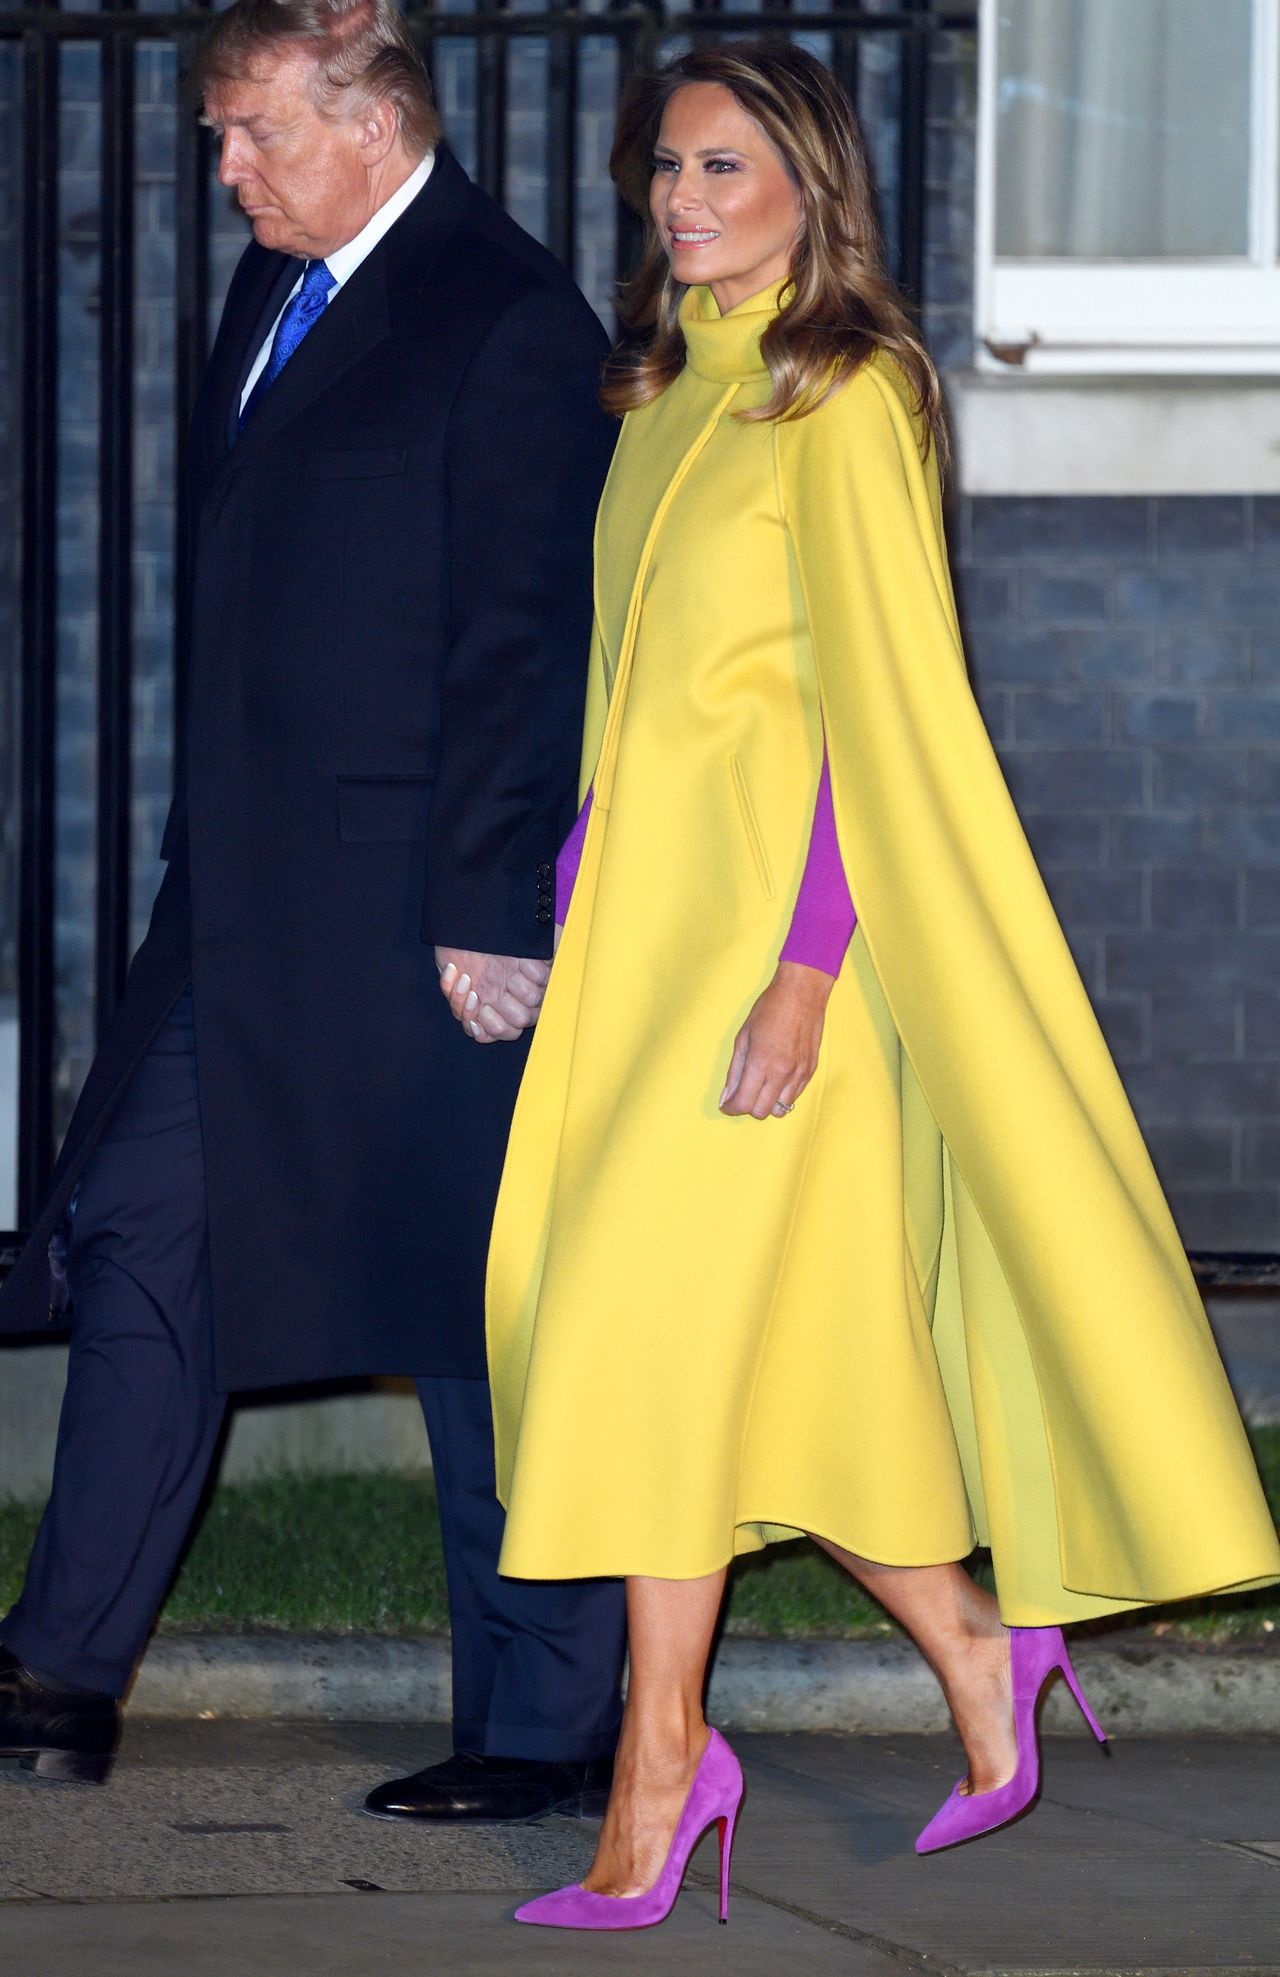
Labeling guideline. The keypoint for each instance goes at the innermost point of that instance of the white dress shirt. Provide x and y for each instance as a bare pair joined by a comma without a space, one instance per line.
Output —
344,261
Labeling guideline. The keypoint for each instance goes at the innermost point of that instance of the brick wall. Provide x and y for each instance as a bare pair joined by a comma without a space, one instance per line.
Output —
1127,660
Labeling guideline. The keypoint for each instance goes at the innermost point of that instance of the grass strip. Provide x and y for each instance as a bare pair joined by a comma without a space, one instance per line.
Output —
361,1554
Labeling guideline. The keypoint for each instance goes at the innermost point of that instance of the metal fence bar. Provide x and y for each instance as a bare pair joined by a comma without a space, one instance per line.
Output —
37,1009
191,350
845,60
912,139
115,527
704,20
846,44
562,145
491,101
638,35
1234,1270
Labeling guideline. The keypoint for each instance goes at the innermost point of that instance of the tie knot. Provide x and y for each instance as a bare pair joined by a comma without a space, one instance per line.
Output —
316,282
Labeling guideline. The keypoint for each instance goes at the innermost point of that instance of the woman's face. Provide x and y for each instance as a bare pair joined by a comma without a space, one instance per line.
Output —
726,207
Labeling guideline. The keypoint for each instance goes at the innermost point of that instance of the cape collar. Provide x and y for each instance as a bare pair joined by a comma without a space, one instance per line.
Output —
726,348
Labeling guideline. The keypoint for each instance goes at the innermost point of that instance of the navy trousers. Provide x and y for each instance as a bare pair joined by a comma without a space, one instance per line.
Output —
536,1667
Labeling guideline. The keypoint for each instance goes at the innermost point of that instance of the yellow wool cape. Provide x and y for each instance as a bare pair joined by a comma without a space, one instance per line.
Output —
944,1301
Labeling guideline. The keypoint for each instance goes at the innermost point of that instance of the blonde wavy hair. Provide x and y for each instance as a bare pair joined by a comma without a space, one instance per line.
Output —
840,305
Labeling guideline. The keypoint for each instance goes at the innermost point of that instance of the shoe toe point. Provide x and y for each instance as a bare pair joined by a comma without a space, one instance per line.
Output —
544,1909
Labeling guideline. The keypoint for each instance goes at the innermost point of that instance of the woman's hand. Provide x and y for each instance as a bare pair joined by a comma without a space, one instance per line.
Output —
776,1051
495,997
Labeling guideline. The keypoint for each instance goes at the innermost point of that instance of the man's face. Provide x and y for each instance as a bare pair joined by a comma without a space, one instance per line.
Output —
302,179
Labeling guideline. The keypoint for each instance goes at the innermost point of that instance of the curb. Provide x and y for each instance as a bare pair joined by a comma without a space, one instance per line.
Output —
870,1688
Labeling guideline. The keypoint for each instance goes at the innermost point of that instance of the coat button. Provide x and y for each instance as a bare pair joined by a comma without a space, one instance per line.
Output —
544,870
543,915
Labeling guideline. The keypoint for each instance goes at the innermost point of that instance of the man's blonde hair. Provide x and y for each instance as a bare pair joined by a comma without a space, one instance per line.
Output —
362,51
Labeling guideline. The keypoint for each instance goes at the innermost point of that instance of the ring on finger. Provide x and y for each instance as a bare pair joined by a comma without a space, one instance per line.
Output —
781,1109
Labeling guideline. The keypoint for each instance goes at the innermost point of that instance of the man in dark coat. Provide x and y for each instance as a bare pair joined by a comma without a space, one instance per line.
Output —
284,1162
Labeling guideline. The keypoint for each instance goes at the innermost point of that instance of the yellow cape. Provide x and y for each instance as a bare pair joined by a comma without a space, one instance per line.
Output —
1102,1453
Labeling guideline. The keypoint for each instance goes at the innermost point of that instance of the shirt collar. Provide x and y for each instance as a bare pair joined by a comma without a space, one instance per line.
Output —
344,261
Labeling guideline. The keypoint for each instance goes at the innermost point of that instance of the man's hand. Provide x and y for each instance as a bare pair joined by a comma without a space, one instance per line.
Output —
776,1051
495,997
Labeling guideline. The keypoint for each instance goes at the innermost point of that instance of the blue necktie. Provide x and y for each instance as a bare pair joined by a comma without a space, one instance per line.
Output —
306,308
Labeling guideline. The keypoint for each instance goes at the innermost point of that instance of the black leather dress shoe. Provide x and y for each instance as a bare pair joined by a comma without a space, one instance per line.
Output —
66,1734
468,1786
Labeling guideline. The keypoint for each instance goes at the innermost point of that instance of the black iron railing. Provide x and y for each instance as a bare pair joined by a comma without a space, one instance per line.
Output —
38,36
904,32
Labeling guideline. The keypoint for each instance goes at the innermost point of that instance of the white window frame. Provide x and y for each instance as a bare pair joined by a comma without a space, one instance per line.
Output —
1218,316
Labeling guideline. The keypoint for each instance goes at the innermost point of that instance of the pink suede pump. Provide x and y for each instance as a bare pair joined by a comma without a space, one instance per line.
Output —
715,1797
1035,1653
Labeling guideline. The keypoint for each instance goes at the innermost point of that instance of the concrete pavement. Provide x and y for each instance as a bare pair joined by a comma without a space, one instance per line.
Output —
238,1848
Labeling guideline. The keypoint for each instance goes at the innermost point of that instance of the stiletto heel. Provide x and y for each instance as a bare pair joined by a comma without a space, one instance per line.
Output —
727,1825
714,1798
1035,1653
1072,1681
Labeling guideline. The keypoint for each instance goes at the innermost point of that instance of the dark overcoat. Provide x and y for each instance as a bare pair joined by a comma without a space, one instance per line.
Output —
390,624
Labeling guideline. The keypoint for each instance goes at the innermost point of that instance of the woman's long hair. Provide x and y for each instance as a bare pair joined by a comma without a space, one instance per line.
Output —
840,305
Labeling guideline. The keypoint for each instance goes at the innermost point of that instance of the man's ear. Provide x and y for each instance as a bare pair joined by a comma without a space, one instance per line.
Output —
379,127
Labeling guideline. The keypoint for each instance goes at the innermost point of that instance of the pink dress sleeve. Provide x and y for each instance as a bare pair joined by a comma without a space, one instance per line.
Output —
569,859
824,918
823,921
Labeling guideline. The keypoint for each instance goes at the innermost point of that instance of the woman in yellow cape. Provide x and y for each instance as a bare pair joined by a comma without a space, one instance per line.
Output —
937,1299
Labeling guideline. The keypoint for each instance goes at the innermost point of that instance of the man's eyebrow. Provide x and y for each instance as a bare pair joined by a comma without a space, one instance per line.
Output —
230,123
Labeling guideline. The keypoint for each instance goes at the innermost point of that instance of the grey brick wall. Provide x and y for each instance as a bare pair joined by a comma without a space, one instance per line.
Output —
1126,653
1127,661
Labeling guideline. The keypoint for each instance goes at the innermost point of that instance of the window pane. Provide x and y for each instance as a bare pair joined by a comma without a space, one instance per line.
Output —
1123,128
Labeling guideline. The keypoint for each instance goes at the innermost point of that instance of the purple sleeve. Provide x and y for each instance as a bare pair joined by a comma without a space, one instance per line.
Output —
824,918
569,859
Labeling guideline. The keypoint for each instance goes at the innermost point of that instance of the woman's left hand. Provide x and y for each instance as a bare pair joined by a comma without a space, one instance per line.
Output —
776,1051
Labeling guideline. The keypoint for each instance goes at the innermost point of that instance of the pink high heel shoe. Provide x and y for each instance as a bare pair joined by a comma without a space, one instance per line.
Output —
1035,1654
714,1799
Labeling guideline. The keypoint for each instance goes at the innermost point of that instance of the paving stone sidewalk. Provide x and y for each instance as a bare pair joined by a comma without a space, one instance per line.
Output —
225,1849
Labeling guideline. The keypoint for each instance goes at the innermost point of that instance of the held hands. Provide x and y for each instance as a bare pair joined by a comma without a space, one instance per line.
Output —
776,1051
495,997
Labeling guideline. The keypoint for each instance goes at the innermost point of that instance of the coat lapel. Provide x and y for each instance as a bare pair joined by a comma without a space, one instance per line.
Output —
281,281
260,285
353,324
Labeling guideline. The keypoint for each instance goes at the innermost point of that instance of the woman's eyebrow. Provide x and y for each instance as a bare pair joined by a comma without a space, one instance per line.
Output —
712,151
